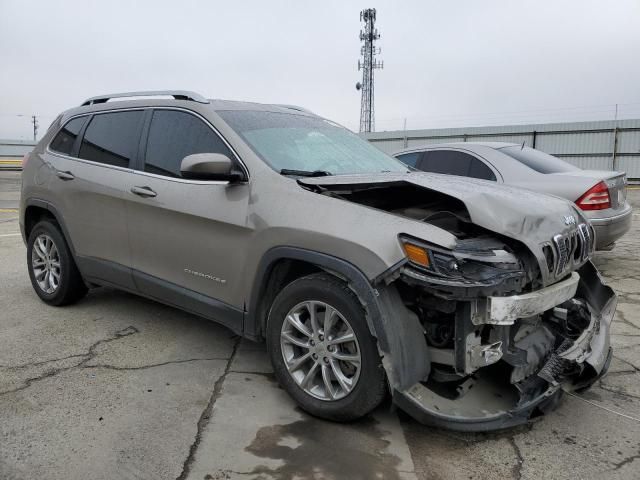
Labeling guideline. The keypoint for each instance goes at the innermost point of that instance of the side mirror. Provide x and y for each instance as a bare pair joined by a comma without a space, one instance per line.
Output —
209,166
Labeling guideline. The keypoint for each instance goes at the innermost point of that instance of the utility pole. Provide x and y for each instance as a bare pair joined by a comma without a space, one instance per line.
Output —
368,64
34,120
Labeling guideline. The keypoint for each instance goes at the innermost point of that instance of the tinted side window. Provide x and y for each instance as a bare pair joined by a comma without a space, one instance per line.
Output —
480,170
64,140
112,138
410,159
172,136
446,161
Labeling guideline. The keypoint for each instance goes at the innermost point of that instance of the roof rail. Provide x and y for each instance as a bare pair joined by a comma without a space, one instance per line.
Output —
294,107
177,94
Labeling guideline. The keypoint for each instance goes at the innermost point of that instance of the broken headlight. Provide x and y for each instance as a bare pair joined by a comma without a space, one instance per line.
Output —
478,267
427,258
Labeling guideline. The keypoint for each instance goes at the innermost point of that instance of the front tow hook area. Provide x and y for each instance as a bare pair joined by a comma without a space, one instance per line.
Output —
496,401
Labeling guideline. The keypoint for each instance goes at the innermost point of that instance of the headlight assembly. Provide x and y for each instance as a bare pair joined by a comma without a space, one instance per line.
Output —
482,267
427,258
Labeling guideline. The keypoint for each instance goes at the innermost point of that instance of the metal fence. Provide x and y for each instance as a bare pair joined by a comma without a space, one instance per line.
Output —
12,151
601,145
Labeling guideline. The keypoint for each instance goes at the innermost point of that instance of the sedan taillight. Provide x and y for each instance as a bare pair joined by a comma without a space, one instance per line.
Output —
596,198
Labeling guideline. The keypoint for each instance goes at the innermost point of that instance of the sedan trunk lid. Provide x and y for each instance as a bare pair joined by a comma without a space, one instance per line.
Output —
616,183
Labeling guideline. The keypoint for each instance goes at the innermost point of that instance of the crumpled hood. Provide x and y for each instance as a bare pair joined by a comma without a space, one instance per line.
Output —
527,216
517,213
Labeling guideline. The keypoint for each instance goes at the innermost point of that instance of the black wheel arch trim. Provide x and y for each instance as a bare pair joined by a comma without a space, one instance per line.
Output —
399,334
36,202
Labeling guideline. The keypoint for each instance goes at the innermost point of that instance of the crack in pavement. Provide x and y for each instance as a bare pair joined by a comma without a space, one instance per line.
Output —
623,462
517,468
153,365
268,375
22,366
620,373
90,355
623,319
624,347
627,299
206,414
618,391
633,368
86,358
225,474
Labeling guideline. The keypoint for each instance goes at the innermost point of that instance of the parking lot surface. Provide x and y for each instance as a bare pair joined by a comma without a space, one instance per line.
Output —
119,387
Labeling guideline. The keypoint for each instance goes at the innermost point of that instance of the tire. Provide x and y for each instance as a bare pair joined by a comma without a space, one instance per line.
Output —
69,286
362,387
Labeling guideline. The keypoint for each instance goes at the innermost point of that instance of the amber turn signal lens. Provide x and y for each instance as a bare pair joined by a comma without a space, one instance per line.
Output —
416,254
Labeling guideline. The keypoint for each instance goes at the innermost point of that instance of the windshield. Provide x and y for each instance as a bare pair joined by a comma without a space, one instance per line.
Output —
307,144
537,160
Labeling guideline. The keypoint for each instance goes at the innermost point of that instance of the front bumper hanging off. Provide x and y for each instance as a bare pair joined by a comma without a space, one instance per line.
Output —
575,365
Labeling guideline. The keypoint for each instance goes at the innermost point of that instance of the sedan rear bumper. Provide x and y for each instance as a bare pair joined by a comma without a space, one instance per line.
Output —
610,229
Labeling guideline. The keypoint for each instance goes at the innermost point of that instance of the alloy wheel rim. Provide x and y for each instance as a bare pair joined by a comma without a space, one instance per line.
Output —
45,263
320,350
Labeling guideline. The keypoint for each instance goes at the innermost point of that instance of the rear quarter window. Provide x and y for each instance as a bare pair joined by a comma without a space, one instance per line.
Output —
410,159
477,169
65,139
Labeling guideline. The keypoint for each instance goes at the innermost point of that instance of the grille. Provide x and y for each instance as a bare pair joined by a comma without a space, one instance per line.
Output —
571,248
587,239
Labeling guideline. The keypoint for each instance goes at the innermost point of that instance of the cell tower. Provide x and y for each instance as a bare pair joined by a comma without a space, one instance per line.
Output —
368,64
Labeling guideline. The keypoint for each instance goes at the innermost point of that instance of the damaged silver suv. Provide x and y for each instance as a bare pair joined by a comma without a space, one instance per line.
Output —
474,305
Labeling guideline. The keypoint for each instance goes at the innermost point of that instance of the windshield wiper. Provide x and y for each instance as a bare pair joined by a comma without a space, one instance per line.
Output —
305,173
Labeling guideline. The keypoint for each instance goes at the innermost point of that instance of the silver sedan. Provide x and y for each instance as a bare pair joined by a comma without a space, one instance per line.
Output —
600,194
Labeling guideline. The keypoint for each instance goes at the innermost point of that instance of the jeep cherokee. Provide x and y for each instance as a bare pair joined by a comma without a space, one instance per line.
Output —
474,304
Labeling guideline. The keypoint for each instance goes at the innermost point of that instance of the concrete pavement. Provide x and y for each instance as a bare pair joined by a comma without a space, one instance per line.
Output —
119,387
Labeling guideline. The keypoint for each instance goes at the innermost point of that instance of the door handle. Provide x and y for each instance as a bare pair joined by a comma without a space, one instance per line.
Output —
64,175
143,192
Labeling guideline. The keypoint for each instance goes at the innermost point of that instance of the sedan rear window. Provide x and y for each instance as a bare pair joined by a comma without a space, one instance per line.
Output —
537,160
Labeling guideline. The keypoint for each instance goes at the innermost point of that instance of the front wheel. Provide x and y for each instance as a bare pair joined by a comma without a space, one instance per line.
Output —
322,351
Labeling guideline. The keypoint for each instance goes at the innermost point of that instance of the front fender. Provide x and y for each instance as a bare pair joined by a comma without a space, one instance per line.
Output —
398,331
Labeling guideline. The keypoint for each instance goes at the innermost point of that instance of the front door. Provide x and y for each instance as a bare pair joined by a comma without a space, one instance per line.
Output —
188,238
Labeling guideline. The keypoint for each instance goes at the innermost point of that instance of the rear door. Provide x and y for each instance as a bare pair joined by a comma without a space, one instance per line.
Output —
88,188
188,238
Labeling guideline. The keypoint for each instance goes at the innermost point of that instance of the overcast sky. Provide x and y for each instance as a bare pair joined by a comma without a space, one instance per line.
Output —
445,62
